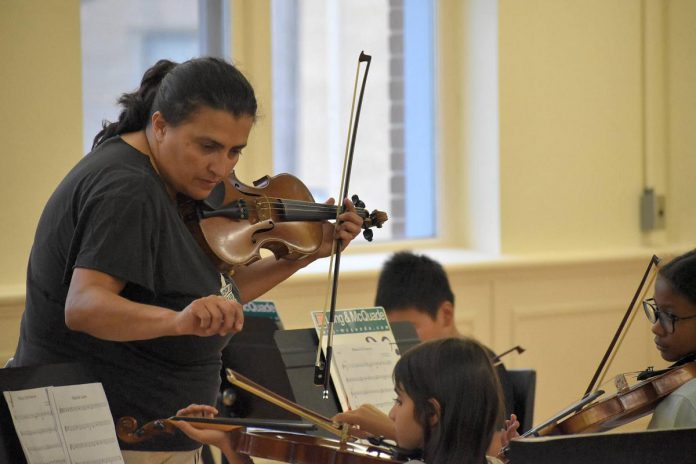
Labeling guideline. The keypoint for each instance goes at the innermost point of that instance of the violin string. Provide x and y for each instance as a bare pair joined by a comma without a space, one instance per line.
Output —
628,375
304,206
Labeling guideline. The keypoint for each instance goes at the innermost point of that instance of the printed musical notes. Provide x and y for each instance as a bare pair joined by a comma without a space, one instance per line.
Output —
65,425
364,355
366,373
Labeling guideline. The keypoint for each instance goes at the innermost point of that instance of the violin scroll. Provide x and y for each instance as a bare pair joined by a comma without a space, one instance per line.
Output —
374,219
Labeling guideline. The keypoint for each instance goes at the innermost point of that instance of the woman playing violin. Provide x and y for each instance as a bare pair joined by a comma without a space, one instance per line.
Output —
672,311
116,280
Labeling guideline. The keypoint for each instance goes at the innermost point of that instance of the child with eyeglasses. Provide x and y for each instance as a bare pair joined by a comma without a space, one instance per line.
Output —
672,312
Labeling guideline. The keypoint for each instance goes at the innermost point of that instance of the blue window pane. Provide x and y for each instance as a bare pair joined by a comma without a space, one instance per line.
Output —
419,115
315,49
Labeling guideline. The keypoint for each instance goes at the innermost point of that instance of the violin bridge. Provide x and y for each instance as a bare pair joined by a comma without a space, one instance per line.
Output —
264,209
621,383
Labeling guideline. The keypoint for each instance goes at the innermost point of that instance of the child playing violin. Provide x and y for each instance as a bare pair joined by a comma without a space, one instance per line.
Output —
672,312
447,405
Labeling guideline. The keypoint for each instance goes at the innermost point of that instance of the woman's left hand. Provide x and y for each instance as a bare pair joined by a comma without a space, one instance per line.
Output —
349,226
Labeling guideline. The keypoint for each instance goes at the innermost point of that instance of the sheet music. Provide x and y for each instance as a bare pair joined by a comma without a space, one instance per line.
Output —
36,426
364,356
366,374
71,425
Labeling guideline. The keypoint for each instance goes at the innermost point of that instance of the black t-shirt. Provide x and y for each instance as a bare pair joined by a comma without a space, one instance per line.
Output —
112,214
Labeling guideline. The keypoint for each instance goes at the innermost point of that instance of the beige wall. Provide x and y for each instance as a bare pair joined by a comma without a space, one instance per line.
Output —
596,102
570,126
571,148
251,33
681,114
40,116
40,123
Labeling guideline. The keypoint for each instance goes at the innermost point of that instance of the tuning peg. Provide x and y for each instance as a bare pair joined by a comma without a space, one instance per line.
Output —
357,201
367,233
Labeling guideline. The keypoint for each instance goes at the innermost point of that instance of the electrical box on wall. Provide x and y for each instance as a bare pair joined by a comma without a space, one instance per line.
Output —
652,211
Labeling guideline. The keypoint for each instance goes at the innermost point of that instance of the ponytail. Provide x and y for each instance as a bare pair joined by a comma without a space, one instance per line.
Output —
136,105
178,90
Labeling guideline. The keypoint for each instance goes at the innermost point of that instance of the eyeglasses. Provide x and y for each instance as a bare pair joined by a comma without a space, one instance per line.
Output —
667,320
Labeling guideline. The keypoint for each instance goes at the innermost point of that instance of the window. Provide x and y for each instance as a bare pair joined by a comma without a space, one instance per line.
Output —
316,44
123,38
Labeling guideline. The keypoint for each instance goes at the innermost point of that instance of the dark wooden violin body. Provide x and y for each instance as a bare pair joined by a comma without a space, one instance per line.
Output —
294,448
277,213
627,405
304,449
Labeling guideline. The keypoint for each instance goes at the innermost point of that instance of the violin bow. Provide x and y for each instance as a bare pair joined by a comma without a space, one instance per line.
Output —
654,261
496,360
322,370
246,384
128,431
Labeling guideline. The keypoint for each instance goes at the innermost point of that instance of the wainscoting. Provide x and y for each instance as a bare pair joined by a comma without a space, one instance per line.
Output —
562,310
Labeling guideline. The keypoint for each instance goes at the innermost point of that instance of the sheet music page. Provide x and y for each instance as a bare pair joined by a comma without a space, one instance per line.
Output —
366,374
65,425
36,426
364,356
86,423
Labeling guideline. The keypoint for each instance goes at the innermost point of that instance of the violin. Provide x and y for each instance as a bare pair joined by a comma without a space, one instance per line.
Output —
270,444
277,213
625,406
294,448
629,403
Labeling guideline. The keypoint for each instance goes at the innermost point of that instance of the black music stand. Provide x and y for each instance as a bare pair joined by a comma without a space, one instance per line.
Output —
676,446
254,354
22,378
299,348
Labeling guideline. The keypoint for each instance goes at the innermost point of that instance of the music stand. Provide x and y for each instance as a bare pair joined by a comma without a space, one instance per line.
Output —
23,378
645,447
254,354
299,349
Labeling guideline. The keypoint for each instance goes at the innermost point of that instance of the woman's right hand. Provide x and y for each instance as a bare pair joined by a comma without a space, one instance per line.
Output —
210,315
367,421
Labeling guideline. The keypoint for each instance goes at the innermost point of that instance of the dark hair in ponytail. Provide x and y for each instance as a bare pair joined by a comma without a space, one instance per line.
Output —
458,373
179,90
